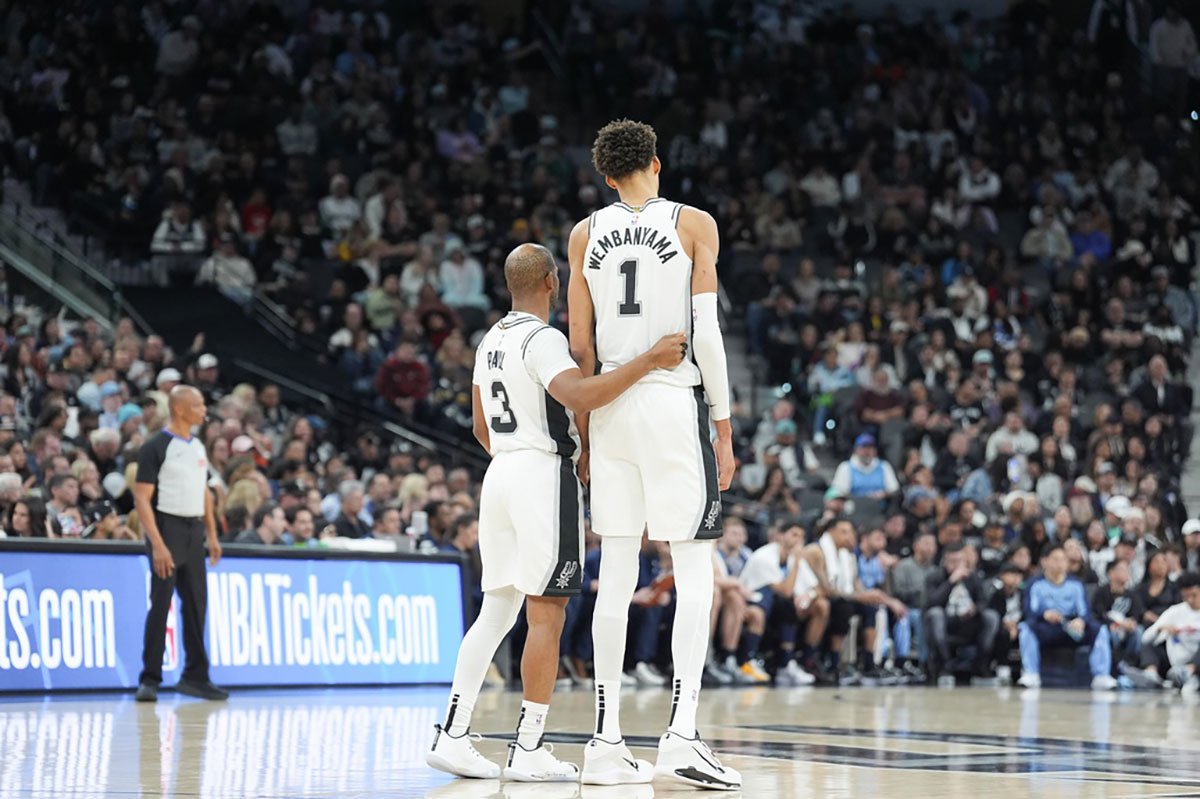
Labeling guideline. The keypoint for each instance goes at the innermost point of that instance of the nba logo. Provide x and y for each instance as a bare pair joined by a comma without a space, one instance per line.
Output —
171,650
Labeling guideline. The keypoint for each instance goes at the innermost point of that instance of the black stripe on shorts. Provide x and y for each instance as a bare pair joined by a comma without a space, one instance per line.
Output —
711,523
567,577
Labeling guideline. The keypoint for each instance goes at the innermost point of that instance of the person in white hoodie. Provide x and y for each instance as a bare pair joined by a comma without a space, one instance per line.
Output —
1172,644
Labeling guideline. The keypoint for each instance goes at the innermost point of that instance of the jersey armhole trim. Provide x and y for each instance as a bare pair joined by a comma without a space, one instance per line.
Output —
525,344
592,223
676,214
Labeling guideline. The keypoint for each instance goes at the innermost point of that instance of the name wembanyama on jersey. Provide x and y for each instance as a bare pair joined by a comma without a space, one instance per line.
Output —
640,236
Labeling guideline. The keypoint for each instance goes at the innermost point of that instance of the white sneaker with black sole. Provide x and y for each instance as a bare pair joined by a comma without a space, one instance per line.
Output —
716,674
797,674
1141,678
457,755
537,765
606,763
690,761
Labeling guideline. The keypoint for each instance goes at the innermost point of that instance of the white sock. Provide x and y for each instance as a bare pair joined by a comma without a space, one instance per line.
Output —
692,564
608,711
532,724
683,708
618,579
458,714
497,614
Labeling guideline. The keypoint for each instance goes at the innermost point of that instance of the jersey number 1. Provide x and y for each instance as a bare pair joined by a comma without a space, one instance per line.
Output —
630,306
505,422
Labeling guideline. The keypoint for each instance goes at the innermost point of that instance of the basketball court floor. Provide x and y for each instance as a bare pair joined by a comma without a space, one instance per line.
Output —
858,742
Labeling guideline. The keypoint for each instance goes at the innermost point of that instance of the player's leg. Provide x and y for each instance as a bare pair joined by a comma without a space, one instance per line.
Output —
549,571
618,517
528,761
684,508
817,619
452,750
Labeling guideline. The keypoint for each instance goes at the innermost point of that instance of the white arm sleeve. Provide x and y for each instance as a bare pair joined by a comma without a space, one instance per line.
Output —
709,350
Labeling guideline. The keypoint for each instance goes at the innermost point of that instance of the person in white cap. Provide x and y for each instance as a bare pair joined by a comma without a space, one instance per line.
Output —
1191,545
167,379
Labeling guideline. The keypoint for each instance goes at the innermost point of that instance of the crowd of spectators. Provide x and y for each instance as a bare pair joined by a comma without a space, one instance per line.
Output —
962,250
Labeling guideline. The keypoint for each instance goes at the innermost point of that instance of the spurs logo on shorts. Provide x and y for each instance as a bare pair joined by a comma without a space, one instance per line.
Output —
568,572
714,513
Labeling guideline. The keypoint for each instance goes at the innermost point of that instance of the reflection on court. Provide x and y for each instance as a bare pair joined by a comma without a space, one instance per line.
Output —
371,743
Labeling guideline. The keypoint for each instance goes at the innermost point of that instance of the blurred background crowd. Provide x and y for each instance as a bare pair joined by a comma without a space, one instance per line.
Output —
957,273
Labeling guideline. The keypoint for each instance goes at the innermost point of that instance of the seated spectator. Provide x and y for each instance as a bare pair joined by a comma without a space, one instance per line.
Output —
1191,545
865,474
462,538
403,381
348,524
231,273
302,528
1156,592
827,378
874,568
1120,608
270,523
730,598
461,279
879,403
955,609
782,595
1007,602
909,578
1011,439
1077,565
835,566
1172,644
339,211
1058,616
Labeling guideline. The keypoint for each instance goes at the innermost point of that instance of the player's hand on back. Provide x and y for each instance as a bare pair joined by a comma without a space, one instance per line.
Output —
669,351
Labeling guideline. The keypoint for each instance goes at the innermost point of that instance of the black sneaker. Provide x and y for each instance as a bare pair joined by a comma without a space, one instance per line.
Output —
201,690
146,692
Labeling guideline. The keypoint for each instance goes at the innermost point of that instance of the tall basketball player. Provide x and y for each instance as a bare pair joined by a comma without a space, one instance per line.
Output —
640,268
530,512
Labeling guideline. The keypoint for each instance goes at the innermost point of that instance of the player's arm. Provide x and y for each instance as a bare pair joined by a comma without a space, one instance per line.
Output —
478,422
707,345
581,324
582,394
816,561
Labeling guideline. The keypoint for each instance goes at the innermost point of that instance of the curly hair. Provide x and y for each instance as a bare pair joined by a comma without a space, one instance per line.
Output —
623,147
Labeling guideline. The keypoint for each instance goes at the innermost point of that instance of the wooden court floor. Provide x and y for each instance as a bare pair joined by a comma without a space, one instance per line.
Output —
858,742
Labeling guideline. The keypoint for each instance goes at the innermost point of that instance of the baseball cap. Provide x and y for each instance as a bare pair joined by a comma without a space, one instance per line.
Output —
241,444
475,220
1191,526
1127,540
168,375
1118,506
983,356
864,440
1104,468
206,361
1085,484
127,412
833,492
785,427
109,389
95,511
292,488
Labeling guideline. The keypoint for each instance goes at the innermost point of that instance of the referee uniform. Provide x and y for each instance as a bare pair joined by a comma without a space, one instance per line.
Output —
178,469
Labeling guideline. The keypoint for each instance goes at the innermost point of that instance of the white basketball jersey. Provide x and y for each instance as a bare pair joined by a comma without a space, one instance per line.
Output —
515,362
640,279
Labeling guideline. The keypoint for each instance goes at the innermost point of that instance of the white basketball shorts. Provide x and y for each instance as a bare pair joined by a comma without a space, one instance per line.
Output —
653,465
531,524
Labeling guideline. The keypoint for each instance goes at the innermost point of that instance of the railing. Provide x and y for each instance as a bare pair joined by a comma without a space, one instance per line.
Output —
30,247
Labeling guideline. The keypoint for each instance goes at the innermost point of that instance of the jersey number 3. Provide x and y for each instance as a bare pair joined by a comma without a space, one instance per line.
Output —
505,422
630,306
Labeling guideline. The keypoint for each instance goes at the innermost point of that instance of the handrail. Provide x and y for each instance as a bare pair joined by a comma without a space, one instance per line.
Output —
313,394
62,252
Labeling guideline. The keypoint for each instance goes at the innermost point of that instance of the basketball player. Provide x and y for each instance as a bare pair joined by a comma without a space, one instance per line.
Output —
530,519
640,268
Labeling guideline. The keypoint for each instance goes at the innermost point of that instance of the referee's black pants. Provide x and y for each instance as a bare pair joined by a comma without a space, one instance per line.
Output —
185,539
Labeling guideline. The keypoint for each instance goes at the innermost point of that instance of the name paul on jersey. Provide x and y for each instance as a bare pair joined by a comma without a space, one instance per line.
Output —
641,236
495,359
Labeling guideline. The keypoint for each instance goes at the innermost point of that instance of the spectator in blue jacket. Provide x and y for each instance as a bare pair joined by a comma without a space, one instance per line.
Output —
1057,615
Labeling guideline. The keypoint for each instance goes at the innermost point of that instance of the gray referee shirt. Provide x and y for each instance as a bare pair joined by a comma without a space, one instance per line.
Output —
178,468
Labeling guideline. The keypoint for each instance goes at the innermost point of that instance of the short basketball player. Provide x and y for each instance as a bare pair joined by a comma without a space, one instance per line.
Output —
530,513
640,268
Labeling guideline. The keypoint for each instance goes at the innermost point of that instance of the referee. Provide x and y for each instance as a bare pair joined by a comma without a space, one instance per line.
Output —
172,500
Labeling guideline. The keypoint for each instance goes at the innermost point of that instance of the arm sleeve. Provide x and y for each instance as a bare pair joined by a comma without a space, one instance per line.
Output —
709,351
547,355
150,458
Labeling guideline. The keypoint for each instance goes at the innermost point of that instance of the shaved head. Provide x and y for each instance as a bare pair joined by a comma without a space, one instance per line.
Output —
526,267
182,394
